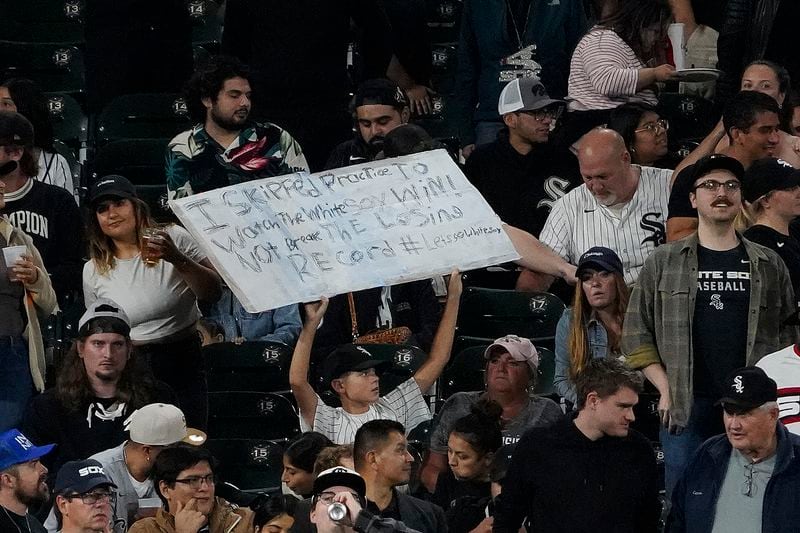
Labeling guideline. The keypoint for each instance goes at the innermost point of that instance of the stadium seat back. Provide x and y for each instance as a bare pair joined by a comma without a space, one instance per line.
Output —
406,360
495,313
207,19
250,366
42,21
443,18
251,415
55,67
143,116
464,373
70,124
249,464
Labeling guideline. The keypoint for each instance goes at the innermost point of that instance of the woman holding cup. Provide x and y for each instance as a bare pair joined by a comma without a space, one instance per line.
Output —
26,299
157,275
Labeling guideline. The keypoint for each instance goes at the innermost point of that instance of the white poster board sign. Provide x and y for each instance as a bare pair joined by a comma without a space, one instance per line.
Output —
294,238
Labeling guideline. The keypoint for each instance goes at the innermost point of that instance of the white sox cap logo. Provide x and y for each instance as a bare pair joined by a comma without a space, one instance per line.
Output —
737,384
89,470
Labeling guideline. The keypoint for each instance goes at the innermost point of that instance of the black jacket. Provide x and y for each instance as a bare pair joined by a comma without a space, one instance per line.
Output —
564,482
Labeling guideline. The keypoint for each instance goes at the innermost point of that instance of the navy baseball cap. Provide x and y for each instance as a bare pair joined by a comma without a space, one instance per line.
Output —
599,257
713,162
15,448
112,185
351,358
767,175
81,476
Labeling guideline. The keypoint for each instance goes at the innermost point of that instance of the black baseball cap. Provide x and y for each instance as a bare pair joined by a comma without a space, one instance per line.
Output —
112,185
749,387
80,477
713,162
15,129
767,175
380,91
339,476
602,257
351,358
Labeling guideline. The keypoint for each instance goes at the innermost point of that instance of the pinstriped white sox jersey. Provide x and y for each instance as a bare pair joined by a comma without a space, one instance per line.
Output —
577,222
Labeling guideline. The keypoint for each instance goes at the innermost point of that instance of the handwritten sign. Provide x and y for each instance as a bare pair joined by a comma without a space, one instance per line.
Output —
292,238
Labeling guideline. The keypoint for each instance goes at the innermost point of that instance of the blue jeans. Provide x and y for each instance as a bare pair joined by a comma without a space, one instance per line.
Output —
16,384
486,131
704,422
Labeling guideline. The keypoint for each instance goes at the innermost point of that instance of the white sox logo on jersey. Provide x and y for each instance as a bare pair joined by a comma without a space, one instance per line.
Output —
789,404
652,222
554,187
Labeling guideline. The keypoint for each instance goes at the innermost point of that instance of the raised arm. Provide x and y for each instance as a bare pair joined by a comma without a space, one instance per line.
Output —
432,368
298,370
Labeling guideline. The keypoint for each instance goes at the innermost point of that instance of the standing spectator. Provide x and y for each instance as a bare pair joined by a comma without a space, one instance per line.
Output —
39,209
85,498
617,62
160,294
99,384
592,327
644,133
503,40
590,473
23,481
26,300
771,190
464,490
512,364
27,99
703,306
301,75
746,479
299,460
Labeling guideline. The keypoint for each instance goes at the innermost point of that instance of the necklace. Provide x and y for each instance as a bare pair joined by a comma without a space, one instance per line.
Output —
27,520
514,25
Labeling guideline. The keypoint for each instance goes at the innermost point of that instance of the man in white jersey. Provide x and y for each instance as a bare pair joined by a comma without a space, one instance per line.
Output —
354,376
784,367
620,205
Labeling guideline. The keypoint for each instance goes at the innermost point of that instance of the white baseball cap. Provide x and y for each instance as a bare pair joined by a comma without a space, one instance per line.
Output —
161,424
107,308
524,94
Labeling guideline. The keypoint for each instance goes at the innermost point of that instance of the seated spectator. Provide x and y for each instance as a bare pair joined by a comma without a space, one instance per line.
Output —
617,62
209,331
184,478
644,133
99,384
26,301
413,305
85,498
39,209
22,481
128,465
275,325
381,457
225,146
157,281
27,99
328,458
794,102
771,191
379,106
522,173
276,515
512,364
751,122
594,459
464,490
299,460
354,377
592,327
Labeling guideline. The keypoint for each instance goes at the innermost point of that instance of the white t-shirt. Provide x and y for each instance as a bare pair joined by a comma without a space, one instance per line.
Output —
577,222
404,404
784,367
54,169
156,298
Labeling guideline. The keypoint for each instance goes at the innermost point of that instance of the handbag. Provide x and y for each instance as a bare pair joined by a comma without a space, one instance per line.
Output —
398,335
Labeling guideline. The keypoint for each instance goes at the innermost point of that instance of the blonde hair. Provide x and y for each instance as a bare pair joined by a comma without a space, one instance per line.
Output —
577,343
101,246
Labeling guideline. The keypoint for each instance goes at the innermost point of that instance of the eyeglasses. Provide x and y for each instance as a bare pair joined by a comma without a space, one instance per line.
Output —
541,114
655,126
91,498
327,497
714,185
196,482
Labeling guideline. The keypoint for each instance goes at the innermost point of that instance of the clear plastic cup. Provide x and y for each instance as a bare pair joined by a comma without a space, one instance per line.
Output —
11,254
149,234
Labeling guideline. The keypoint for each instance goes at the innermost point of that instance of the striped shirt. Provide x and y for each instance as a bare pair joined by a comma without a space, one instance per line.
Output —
577,222
404,404
603,73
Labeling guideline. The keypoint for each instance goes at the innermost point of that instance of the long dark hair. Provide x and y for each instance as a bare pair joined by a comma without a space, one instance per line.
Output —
629,17
32,104
481,428
625,120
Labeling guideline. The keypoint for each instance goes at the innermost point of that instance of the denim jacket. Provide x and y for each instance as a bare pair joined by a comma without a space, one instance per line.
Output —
596,337
277,325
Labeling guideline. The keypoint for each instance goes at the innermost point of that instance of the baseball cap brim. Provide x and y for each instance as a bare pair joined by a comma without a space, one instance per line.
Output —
745,406
595,263
31,454
541,104
195,437
512,349
92,483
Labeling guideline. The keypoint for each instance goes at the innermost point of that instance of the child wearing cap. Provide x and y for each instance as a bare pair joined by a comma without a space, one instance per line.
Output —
354,376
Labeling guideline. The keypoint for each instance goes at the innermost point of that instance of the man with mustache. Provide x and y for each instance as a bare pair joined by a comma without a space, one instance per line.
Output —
702,307
22,481
226,147
379,106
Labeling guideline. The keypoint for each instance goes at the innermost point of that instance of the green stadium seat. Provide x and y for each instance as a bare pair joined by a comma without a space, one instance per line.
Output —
143,116
251,415
250,366
441,122
406,360
207,19
444,68
70,124
444,18
248,464
42,21
55,67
